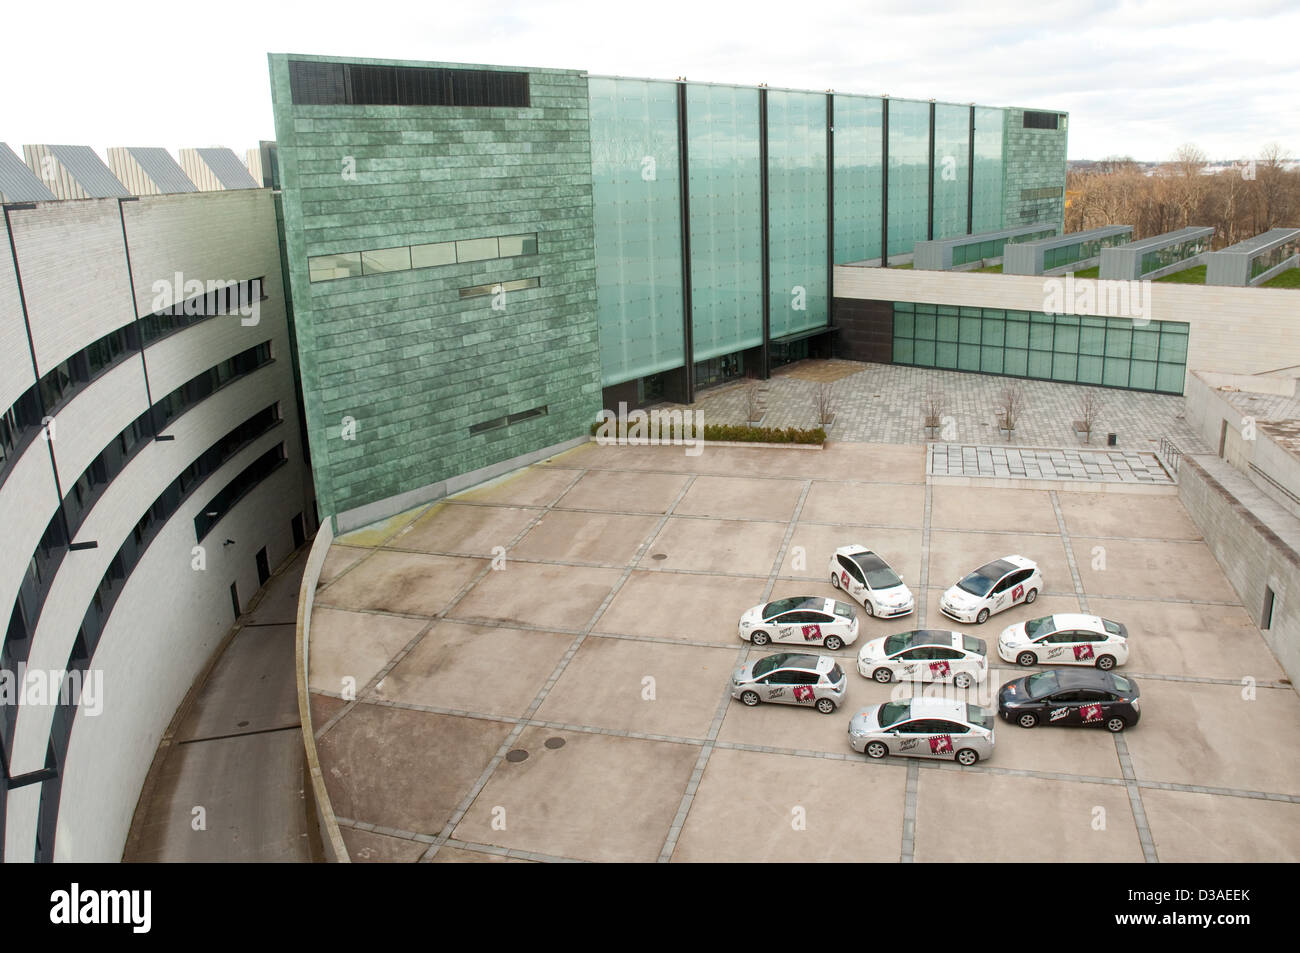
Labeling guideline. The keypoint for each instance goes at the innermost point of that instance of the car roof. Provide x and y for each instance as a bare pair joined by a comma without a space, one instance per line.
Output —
807,663
869,560
923,707
1083,678
929,636
796,602
1075,620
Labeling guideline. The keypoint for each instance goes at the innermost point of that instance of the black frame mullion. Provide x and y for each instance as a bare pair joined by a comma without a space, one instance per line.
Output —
765,228
884,182
684,200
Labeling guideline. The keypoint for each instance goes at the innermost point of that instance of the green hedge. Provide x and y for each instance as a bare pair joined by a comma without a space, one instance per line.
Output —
740,433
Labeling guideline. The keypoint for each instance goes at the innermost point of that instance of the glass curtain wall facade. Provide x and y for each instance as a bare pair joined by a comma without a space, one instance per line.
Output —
909,174
726,221
951,169
1076,349
636,191
798,204
986,198
859,153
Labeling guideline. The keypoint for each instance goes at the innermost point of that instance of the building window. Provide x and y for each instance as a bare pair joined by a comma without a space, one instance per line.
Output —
505,421
519,284
1041,120
347,84
386,259
430,256
332,267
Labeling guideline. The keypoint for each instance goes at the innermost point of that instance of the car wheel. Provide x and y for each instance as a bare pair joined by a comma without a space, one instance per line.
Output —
1027,720
835,579
750,698
1115,725
967,756
876,749
1105,663
1030,596
867,606
982,617
833,642
963,680
759,638
1026,658
883,675
825,706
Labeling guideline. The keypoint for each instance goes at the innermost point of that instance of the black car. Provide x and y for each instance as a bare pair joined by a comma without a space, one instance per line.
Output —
1085,697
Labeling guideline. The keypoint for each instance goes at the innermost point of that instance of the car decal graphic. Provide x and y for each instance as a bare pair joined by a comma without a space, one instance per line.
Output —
908,744
1058,714
776,693
1017,592
811,632
1082,652
941,744
1091,712
940,670
803,693
1055,650
844,578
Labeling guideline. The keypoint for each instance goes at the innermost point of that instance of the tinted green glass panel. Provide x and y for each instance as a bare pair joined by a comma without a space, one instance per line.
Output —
909,174
1015,361
925,326
1017,332
1092,340
637,226
859,144
797,197
1067,339
951,169
903,350
947,328
1146,344
991,360
1119,341
987,205
904,325
1089,369
726,219
1040,336
1142,374
1064,366
993,333
969,331
924,353
1173,347
945,355
1116,372
1169,378
1040,364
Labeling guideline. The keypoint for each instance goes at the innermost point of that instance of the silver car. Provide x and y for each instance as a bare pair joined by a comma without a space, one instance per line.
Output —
924,728
814,681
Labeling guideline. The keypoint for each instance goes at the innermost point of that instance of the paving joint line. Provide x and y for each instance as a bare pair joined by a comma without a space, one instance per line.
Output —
1069,552
1135,800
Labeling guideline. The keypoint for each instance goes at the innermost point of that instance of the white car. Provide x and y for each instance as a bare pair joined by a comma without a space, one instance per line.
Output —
993,587
931,655
866,577
805,620
1065,639
924,728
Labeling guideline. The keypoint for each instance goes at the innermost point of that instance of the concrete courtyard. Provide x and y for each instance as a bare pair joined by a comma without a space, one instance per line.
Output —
537,669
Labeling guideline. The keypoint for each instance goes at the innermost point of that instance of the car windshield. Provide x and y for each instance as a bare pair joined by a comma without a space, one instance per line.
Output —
986,577
1036,627
883,578
787,605
1043,683
765,665
897,643
980,717
844,610
1121,683
891,713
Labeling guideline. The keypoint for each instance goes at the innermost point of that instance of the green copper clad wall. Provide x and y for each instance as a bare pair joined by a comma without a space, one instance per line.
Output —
406,358
858,177
726,219
636,185
1033,159
797,209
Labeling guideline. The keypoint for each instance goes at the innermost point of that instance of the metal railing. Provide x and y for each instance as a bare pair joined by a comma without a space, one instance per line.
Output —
1169,455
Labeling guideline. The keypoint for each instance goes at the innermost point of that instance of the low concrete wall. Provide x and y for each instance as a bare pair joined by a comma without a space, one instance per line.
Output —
331,837
1231,514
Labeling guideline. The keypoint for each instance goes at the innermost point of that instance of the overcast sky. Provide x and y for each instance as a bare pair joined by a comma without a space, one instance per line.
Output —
1137,78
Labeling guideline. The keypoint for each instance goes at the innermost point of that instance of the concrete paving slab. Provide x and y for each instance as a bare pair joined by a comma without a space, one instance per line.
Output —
475,668
369,847
558,597
954,555
650,687
374,534
620,492
339,560
1189,827
598,797
676,605
410,583
901,548
1209,735
1151,569
354,646
405,769
769,808
741,498
864,504
1060,814
1120,514
252,687
1173,638
720,546
461,528
323,708
610,539
991,509
534,486
456,855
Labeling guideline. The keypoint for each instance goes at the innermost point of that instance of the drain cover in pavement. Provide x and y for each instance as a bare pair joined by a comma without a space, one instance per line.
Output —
659,556
554,742
518,754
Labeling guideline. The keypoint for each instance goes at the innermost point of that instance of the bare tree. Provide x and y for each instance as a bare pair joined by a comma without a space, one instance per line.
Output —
934,404
1013,405
1090,405
825,403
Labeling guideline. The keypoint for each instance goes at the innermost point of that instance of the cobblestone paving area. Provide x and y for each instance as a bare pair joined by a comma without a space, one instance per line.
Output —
882,403
1124,466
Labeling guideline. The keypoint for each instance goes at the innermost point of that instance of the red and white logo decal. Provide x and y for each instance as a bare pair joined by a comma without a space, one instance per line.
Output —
940,670
1017,593
811,632
803,693
844,578
941,744
1090,712
1082,652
